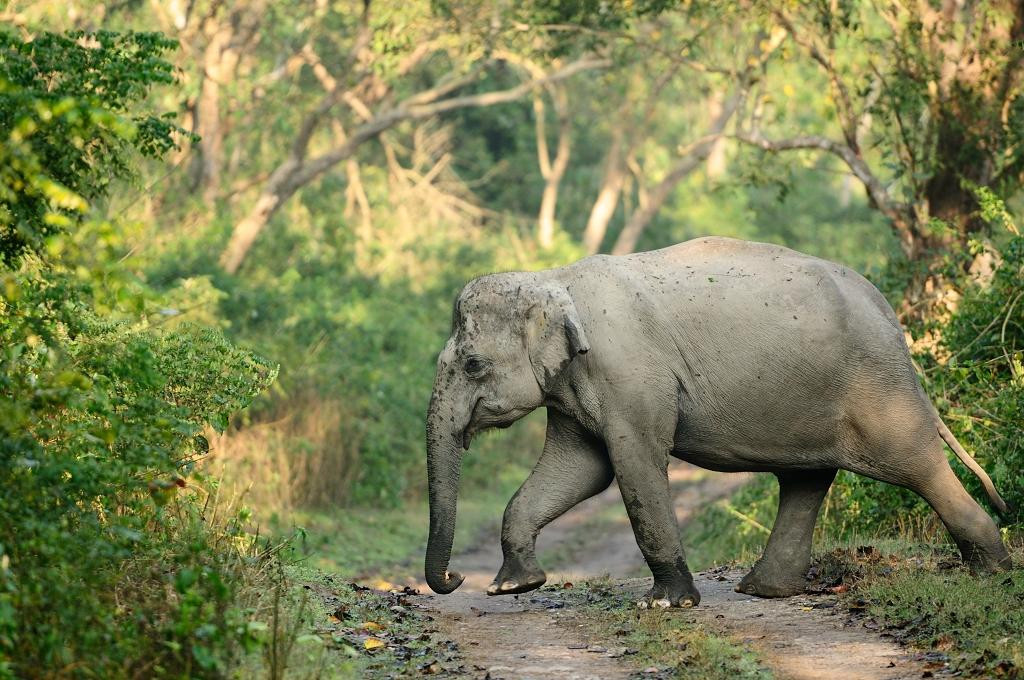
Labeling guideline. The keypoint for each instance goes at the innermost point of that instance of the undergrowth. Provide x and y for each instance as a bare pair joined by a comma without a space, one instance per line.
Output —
923,596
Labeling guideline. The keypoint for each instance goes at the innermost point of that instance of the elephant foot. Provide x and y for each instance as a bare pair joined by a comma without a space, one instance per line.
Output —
986,560
517,576
680,592
763,582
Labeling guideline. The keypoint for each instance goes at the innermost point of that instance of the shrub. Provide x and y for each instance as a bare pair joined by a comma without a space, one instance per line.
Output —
109,564
101,423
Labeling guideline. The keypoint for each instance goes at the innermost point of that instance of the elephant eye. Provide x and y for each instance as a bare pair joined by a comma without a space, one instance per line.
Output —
475,367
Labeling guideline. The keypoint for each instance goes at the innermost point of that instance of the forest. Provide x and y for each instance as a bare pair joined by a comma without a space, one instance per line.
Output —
231,234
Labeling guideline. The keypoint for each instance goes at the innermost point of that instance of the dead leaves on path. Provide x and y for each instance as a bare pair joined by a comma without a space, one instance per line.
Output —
382,622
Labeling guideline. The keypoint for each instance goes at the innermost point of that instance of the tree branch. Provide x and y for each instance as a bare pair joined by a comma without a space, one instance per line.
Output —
297,170
898,213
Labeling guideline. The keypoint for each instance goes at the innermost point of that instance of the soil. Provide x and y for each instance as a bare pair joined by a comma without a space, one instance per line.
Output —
532,636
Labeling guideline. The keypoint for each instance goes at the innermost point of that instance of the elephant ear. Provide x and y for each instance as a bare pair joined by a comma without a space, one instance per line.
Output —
553,331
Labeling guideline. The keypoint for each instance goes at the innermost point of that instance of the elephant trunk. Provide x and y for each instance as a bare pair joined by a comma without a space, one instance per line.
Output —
444,459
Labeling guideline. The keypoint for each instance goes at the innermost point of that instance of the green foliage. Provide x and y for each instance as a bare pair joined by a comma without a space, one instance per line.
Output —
982,383
918,596
109,566
67,130
101,424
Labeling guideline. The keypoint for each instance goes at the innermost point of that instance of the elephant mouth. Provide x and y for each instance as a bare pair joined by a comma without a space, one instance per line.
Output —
468,431
482,419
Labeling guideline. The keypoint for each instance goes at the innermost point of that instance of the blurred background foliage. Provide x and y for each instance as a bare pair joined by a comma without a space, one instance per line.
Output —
315,181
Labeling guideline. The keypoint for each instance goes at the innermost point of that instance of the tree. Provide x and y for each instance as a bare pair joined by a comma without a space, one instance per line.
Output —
928,110
298,169
698,151
363,104
65,108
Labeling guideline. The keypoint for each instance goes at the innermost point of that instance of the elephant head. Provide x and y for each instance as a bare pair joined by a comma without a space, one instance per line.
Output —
513,335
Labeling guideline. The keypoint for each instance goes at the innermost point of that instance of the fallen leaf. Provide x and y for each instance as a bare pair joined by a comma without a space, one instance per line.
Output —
841,588
373,643
567,585
370,625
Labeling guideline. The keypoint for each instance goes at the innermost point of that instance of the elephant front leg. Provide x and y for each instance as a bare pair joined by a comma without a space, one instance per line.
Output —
572,468
782,568
641,467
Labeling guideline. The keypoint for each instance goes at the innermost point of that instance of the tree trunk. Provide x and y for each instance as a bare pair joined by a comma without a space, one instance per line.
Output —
715,166
699,151
608,197
246,231
211,139
638,221
220,62
553,171
690,161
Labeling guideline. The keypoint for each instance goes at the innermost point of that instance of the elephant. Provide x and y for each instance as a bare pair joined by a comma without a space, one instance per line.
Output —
729,354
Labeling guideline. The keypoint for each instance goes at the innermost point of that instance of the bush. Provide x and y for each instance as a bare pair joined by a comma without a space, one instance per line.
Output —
101,423
111,564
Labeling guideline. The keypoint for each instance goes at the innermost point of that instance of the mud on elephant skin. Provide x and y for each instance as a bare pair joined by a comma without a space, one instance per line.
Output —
732,355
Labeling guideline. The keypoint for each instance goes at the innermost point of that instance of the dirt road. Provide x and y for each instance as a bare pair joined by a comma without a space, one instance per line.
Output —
531,636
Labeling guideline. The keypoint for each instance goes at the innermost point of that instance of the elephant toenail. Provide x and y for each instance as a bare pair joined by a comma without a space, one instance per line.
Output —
663,603
509,585
493,588
642,604
686,603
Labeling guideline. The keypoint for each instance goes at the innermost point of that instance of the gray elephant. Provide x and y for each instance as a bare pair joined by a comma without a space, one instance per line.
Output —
731,355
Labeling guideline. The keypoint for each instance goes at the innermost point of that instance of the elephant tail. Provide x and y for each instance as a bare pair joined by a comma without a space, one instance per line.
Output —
973,466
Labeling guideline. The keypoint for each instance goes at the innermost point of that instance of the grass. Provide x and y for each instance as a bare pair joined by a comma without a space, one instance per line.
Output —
922,595
668,643
732,530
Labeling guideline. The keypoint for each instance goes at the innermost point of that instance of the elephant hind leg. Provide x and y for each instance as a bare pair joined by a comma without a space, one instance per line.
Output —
572,468
971,527
928,474
782,568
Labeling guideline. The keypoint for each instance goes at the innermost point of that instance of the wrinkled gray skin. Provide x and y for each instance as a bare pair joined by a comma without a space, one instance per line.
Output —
727,354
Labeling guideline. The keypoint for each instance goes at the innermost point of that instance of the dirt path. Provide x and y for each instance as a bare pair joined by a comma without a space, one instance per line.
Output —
532,636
